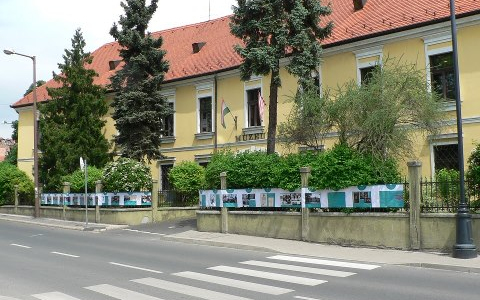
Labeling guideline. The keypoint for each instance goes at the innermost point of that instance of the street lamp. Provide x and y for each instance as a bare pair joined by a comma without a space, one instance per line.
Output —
35,130
464,247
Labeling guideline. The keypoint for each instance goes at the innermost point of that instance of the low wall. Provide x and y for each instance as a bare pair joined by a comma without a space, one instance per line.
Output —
124,216
389,230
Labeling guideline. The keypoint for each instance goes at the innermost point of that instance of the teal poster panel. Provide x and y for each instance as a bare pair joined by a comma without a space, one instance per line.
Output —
229,200
217,202
204,200
312,200
336,199
392,199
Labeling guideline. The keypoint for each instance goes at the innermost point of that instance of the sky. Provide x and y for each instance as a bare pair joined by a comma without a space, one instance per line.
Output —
44,28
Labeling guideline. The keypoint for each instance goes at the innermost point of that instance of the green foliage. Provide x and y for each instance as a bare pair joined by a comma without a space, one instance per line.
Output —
343,166
71,123
287,171
448,187
139,105
335,169
308,122
77,180
12,155
187,178
10,176
30,88
245,169
473,172
380,118
126,175
275,29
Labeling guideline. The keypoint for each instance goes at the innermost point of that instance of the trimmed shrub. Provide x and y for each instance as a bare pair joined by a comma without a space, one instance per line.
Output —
77,179
448,186
126,175
10,176
187,178
335,169
473,175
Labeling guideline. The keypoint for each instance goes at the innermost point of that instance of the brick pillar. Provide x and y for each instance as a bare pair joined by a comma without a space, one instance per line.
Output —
98,190
304,175
223,186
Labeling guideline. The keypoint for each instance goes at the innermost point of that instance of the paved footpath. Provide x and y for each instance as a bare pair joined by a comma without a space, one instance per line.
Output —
385,256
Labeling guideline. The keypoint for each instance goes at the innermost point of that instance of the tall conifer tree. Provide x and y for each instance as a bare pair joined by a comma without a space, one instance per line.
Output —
71,124
139,107
276,29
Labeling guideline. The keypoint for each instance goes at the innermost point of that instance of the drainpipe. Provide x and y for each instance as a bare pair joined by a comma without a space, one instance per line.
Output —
215,123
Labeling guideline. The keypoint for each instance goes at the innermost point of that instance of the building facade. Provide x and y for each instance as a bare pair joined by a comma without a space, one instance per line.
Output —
204,73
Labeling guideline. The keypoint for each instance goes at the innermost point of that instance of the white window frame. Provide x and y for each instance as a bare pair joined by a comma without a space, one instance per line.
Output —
368,53
205,90
440,140
170,97
246,87
436,39
440,38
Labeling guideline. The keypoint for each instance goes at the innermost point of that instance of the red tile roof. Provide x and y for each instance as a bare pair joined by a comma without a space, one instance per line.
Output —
377,17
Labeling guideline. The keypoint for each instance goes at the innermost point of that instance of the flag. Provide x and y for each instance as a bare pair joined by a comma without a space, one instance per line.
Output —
261,107
225,110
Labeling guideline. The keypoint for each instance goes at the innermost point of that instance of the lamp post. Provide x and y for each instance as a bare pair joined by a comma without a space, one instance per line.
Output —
35,130
464,247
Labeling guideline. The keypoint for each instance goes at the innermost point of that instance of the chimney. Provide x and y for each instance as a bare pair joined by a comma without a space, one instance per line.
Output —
198,46
358,4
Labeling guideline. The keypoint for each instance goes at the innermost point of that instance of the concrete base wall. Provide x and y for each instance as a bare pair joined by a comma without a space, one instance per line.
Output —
127,216
389,230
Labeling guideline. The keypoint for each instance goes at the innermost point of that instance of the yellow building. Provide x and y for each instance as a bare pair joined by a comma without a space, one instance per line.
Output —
204,73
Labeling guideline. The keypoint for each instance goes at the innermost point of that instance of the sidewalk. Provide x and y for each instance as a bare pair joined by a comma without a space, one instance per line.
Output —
380,256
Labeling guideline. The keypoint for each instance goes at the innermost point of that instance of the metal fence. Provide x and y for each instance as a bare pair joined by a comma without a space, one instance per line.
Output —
444,196
169,198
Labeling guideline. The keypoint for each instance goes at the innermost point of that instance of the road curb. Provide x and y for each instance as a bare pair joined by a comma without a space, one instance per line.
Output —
443,267
217,244
79,227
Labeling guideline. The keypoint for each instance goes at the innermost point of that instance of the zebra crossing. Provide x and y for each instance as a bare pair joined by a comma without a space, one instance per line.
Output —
301,271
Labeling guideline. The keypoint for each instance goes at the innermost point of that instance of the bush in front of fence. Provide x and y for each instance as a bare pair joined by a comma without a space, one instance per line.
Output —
473,176
10,176
126,175
336,168
77,179
187,178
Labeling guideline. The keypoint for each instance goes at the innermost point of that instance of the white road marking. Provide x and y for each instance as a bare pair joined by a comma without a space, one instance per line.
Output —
21,246
120,293
306,298
325,262
268,275
256,287
65,254
54,296
298,268
187,290
136,268
141,231
40,234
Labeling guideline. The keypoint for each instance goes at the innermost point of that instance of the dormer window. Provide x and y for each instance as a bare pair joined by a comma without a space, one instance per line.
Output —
198,46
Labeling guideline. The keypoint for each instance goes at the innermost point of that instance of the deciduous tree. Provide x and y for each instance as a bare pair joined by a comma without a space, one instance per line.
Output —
275,29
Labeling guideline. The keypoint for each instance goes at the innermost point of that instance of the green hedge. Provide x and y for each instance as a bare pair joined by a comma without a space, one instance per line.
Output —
336,168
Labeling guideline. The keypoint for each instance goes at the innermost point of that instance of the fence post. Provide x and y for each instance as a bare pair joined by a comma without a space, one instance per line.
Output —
414,178
98,190
304,175
154,200
15,210
66,190
223,186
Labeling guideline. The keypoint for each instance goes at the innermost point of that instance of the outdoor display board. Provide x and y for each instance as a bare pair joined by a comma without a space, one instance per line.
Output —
104,199
389,195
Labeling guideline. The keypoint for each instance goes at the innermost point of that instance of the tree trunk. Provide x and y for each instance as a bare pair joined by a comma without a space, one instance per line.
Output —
272,112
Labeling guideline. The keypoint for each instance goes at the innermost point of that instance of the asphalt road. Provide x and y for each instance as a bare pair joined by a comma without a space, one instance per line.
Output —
136,264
